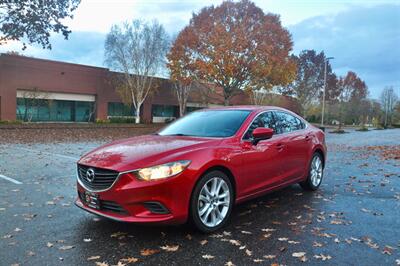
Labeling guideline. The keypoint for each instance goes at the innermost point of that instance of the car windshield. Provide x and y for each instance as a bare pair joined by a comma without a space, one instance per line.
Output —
210,123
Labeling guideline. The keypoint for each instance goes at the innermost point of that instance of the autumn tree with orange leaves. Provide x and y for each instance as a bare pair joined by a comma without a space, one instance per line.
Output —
234,46
352,91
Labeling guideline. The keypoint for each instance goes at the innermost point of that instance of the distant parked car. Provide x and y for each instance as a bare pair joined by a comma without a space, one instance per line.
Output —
198,167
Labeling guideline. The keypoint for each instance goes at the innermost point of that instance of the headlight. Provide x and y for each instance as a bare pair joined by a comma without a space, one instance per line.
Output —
162,171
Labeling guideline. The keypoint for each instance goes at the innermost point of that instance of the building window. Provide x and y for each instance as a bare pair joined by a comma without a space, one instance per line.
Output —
54,110
120,109
190,109
164,110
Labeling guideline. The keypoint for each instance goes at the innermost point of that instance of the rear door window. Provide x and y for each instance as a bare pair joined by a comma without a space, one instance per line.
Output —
286,123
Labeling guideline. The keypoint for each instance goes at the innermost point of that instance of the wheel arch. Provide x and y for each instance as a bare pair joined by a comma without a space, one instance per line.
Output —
320,152
221,168
226,171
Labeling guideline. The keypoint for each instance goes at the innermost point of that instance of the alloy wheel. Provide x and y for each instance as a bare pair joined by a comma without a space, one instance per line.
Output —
316,171
213,202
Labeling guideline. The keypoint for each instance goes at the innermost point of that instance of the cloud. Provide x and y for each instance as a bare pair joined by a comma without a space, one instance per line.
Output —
363,39
85,48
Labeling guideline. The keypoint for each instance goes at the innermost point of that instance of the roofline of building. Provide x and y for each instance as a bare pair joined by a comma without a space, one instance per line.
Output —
51,61
68,63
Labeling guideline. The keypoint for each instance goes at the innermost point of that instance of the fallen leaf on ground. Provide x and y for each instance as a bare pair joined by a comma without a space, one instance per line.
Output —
268,230
234,242
93,258
118,234
322,257
203,242
170,248
300,255
101,263
265,236
249,252
207,257
148,252
49,245
387,250
65,247
130,260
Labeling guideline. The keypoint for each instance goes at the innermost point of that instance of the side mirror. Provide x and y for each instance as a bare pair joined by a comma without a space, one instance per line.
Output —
262,133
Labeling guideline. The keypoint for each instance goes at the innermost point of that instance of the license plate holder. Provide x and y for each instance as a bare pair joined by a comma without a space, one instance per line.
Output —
92,200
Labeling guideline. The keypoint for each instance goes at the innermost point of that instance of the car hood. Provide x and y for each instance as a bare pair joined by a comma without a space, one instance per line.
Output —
143,151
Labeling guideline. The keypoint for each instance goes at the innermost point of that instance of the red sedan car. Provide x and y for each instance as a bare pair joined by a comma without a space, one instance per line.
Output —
198,167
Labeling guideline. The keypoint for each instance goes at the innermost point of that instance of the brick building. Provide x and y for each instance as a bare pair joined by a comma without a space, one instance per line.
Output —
44,90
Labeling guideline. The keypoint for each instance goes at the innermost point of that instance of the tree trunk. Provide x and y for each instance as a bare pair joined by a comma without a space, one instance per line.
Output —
226,101
182,108
340,115
137,117
386,116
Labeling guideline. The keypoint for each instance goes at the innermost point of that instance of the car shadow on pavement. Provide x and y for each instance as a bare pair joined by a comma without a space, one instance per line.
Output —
260,212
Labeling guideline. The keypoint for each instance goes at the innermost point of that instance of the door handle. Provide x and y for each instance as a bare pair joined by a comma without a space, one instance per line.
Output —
307,138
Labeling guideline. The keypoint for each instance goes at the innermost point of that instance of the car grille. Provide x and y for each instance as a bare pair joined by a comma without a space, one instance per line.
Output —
106,205
103,179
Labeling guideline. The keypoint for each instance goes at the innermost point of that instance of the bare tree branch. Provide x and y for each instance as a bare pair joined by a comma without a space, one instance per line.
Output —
138,50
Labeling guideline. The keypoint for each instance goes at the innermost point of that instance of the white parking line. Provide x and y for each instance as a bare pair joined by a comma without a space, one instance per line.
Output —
11,179
50,153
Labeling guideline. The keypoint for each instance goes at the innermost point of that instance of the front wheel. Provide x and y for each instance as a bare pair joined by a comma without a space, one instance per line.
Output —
316,172
212,201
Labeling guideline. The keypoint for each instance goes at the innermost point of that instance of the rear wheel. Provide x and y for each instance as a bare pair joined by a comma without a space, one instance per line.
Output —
212,202
316,172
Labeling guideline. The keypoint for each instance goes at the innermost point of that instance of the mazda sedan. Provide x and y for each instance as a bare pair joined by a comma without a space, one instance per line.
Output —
197,168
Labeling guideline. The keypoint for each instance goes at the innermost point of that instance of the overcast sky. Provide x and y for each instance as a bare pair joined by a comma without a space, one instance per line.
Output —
362,35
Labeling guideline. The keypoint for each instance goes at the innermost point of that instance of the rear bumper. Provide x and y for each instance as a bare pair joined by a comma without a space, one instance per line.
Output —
130,200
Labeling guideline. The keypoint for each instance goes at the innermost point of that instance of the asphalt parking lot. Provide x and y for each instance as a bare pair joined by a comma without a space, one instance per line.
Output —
354,219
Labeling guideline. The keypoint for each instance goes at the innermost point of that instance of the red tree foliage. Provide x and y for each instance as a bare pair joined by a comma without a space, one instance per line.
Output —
233,46
352,87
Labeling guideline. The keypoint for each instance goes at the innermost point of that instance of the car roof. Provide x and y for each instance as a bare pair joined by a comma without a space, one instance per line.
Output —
246,107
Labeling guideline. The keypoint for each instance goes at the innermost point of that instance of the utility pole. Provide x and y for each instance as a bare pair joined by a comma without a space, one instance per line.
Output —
324,91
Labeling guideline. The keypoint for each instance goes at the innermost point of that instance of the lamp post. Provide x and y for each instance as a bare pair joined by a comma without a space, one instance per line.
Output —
324,91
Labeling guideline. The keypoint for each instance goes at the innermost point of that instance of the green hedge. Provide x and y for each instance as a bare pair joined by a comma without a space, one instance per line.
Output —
10,122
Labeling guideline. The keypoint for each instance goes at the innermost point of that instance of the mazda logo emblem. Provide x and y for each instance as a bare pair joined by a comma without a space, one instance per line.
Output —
90,175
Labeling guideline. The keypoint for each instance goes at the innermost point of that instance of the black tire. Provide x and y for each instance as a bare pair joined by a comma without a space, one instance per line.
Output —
308,184
194,215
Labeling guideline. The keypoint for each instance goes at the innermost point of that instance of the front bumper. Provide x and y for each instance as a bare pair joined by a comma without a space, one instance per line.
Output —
165,201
